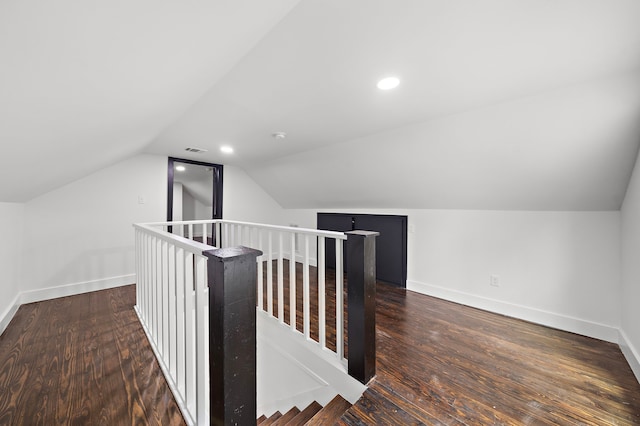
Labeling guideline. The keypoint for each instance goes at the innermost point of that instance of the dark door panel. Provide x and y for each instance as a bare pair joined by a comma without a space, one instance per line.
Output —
334,222
391,245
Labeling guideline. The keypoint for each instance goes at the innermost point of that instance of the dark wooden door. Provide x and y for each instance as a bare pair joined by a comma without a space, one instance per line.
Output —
334,222
391,245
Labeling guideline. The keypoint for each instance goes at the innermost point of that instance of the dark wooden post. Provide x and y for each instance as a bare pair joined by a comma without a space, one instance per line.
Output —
361,297
232,274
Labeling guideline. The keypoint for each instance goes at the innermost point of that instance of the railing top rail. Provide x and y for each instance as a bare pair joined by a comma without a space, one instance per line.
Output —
181,242
309,231
317,232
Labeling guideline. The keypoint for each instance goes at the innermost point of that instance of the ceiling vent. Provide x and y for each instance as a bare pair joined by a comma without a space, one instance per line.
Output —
196,150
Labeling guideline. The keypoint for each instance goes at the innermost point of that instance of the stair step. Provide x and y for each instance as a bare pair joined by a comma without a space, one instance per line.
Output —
272,419
261,419
305,415
374,409
287,417
330,412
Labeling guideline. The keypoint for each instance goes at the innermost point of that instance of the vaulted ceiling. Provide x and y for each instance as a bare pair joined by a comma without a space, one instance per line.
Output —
502,104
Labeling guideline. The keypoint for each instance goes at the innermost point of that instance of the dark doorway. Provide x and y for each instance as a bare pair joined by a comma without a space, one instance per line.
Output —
194,191
391,245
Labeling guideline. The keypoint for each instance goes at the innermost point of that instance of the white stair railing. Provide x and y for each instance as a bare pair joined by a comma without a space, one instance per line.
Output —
172,305
174,266
304,251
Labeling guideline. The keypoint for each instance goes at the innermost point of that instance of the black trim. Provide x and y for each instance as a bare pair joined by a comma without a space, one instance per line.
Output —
217,186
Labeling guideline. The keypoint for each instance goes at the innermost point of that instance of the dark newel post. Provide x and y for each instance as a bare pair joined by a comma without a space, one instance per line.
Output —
361,297
232,277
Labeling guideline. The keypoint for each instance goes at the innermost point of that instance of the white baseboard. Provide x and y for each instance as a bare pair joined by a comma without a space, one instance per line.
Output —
62,291
8,314
631,353
538,316
75,288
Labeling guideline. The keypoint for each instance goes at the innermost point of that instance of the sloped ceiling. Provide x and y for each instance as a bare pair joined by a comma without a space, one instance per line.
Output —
502,104
86,84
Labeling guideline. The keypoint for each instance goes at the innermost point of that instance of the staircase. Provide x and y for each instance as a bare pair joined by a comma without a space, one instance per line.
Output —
315,414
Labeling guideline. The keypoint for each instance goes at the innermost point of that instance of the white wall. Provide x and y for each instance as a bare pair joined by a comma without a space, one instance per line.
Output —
80,237
560,269
82,233
11,244
630,330
245,200
177,210
189,207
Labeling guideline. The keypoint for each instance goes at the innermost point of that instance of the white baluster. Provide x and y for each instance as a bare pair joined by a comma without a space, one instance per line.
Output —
165,299
180,320
339,301
172,311
321,294
280,278
292,283
155,291
269,275
190,330
260,273
305,289
202,357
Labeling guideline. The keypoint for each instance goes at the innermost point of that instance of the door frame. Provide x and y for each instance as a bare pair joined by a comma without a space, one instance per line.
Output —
217,186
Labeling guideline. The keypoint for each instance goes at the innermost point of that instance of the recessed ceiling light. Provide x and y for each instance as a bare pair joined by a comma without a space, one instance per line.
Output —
388,83
226,149
279,135
181,168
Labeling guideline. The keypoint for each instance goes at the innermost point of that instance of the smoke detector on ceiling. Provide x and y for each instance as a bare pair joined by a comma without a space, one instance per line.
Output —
196,150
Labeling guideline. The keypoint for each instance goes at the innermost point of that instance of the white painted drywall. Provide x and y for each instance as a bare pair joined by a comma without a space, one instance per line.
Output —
188,206
245,200
177,211
630,329
556,268
11,248
82,232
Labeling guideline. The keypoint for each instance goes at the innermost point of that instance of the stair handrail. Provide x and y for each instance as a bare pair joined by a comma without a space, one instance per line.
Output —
176,273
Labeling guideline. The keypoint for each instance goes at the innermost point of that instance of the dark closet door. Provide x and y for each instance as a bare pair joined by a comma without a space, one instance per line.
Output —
334,222
391,244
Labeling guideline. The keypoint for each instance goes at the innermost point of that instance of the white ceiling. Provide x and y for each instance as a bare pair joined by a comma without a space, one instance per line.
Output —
86,84
503,104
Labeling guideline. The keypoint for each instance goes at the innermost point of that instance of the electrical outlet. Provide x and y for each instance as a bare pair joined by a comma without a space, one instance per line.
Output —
412,229
494,280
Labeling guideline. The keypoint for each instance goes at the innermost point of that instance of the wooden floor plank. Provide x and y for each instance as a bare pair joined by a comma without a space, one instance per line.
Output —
85,360
440,361
82,360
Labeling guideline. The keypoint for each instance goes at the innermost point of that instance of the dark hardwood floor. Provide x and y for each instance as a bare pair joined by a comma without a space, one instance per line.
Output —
82,360
85,360
443,363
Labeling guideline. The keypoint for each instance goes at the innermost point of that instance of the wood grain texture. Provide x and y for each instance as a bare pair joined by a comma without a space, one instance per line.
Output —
330,412
443,363
82,360
306,414
287,417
